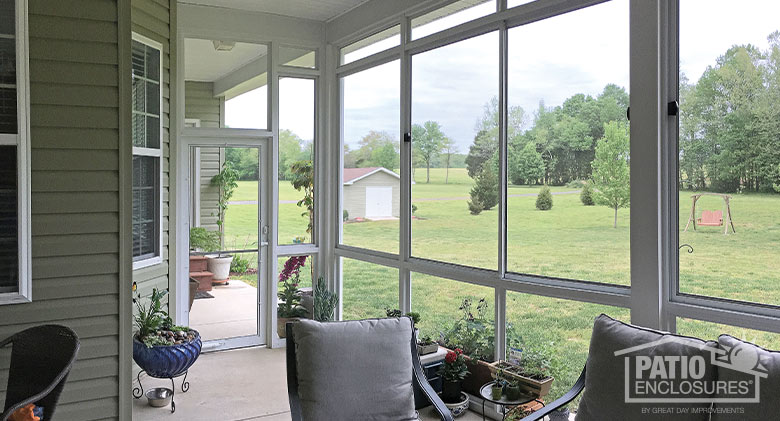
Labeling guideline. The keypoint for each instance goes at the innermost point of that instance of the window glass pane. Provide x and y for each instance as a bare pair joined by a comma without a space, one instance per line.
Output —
9,243
711,331
7,62
389,38
513,3
446,122
7,17
146,211
370,195
233,73
146,96
368,289
298,57
8,118
729,156
568,130
558,331
451,15
242,213
440,303
296,158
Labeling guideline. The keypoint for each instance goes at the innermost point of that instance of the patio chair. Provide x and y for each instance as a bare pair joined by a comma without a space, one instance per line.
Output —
362,369
41,358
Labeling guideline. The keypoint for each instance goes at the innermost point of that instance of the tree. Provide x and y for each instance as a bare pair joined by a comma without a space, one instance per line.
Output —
427,141
303,179
448,148
526,166
611,168
544,200
485,190
485,146
376,149
290,149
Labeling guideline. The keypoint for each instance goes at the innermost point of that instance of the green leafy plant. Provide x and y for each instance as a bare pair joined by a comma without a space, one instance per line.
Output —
454,368
535,363
151,319
426,340
544,200
289,293
611,168
239,264
415,316
393,312
586,195
474,332
345,216
226,180
414,208
302,178
202,239
325,301
475,206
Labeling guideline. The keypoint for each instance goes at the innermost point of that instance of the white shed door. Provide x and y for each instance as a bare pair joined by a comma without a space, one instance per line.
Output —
379,202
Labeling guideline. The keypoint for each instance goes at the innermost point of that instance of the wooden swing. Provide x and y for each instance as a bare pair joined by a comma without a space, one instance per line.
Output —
711,218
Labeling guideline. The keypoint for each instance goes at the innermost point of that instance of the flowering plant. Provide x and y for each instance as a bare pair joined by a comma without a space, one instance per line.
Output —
454,368
289,293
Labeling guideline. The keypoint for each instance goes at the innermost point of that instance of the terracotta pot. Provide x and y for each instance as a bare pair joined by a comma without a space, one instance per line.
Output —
281,325
479,375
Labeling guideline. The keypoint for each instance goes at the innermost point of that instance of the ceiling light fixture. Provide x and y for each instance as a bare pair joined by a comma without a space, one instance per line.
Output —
223,45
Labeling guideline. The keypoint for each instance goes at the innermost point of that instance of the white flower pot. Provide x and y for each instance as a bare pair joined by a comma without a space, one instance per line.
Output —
220,266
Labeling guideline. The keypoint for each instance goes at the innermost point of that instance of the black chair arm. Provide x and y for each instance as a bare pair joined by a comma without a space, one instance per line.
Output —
422,382
560,402
292,376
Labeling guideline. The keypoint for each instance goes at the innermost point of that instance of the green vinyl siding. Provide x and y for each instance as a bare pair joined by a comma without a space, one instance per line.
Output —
199,103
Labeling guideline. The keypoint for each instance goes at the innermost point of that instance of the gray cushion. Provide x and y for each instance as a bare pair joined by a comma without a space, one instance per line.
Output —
605,381
355,370
768,406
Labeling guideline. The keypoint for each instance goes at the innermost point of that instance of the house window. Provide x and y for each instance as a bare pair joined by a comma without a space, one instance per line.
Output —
15,284
147,152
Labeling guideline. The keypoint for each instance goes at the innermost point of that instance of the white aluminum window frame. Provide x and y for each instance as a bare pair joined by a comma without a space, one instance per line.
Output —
652,297
155,153
22,142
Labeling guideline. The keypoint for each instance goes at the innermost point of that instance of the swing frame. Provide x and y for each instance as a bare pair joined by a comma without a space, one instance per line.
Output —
729,221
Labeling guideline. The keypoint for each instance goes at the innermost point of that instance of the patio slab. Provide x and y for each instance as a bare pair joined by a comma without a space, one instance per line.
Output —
231,313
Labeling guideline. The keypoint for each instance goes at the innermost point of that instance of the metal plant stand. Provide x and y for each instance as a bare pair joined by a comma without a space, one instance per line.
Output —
185,386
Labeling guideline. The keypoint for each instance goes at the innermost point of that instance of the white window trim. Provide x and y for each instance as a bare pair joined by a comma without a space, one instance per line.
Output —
157,153
22,142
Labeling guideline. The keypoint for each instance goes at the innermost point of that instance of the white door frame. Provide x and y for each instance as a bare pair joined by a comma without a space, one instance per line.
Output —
262,139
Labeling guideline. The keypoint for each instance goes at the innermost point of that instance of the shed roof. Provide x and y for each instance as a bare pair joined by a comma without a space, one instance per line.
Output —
351,175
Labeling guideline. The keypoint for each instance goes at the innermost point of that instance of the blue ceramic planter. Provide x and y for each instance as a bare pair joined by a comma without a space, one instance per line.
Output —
165,361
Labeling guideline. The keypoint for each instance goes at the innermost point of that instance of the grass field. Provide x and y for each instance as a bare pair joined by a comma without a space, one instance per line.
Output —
570,241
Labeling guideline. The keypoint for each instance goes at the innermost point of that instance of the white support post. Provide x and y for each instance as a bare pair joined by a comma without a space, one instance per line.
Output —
272,163
647,123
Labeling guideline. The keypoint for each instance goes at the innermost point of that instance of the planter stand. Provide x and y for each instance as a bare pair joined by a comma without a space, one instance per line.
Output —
185,386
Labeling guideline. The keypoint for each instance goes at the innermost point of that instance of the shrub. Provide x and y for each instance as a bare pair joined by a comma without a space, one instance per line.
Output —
414,208
544,200
202,239
586,195
485,188
345,215
239,264
576,184
475,207
325,302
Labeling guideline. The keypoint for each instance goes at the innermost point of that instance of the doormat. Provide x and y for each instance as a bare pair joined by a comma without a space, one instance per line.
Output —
203,294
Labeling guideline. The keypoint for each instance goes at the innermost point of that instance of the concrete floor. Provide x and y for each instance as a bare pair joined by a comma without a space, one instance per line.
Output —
231,313
239,385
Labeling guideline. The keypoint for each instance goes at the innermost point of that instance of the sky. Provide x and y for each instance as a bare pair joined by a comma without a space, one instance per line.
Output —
549,60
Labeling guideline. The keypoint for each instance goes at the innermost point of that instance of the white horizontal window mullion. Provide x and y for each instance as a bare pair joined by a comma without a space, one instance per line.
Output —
736,316
9,139
373,60
147,152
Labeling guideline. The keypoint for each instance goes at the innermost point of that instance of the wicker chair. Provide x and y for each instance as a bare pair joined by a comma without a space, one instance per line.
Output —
41,358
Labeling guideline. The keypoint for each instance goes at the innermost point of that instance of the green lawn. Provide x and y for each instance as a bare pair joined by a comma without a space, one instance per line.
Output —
571,241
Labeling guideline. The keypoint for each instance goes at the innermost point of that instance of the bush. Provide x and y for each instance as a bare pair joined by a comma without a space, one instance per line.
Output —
414,208
586,195
544,200
204,240
485,190
239,264
345,215
475,207
576,184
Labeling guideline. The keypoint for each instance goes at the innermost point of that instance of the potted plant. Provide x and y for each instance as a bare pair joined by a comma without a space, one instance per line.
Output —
289,294
560,414
452,372
531,373
325,302
226,181
427,346
160,348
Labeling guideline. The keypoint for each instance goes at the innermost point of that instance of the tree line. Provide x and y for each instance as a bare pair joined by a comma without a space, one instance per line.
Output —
730,122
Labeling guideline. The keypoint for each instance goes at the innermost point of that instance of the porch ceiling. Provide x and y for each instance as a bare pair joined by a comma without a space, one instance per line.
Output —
321,10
